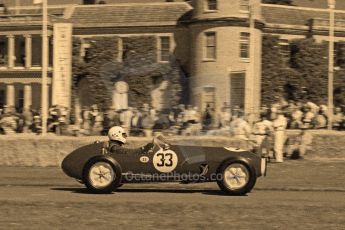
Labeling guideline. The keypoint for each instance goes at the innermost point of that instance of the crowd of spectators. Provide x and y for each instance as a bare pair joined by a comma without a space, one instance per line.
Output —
306,115
178,120
266,133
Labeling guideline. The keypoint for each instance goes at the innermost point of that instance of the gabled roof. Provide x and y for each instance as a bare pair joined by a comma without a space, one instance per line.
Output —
299,16
148,14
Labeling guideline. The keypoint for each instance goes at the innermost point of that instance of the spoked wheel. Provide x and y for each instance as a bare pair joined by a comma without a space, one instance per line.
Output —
237,178
102,176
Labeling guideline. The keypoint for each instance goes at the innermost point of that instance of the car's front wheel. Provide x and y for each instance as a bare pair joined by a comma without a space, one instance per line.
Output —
101,175
236,178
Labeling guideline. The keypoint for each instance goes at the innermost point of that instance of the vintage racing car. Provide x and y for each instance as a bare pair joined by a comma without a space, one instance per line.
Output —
235,170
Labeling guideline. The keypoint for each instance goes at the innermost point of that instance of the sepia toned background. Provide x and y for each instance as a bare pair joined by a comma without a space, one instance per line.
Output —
190,70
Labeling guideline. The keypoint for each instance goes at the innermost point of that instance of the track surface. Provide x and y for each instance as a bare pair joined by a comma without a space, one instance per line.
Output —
294,195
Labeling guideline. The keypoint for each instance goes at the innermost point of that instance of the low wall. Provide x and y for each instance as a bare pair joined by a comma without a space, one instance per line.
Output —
28,150
327,145
31,150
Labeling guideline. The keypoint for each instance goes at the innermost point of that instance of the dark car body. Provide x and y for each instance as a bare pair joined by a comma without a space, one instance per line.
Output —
188,160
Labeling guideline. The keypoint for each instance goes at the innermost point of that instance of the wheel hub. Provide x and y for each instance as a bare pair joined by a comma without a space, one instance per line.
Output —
236,176
101,174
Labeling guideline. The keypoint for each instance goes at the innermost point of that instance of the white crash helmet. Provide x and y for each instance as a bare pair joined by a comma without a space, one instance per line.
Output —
117,133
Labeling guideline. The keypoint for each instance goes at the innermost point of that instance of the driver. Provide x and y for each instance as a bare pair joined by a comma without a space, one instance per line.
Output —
117,138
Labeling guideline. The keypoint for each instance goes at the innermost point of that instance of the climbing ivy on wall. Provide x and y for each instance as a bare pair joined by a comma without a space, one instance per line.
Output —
139,68
304,76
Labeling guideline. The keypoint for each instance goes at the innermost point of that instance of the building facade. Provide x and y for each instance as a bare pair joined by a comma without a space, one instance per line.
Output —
217,42
20,60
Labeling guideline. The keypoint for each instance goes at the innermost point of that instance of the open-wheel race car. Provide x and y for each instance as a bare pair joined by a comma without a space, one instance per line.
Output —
102,171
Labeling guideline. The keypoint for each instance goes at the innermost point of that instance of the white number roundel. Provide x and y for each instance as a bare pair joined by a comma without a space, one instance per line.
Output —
165,161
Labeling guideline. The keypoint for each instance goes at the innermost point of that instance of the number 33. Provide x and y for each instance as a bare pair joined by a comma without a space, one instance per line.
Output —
165,160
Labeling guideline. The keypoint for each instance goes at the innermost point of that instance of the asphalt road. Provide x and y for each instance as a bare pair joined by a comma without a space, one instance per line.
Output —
294,195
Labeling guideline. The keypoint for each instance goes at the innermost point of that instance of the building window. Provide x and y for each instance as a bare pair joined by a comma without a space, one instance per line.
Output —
36,51
211,5
284,49
164,49
244,45
244,5
210,48
3,53
237,89
2,98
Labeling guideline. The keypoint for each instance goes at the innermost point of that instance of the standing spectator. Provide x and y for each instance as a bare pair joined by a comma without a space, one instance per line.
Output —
308,117
265,110
162,123
37,125
194,124
320,121
147,123
111,118
239,127
262,131
172,118
98,124
8,121
62,128
236,111
28,120
207,118
125,118
225,117
338,119
153,113
86,117
324,109
273,112
136,125
188,116
296,118
195,115
53,119
279,125
181,118
19,119
93,114
64,112
313,107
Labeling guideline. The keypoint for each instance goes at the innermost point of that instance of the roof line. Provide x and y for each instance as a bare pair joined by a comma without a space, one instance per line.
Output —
38,7
301,8
135,4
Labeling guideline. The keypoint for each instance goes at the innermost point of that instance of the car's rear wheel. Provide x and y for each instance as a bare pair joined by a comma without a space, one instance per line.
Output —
237,178
102,176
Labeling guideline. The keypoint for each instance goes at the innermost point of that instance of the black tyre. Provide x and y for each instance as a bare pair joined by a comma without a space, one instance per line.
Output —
101,175
237,177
